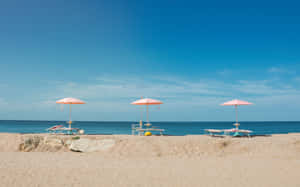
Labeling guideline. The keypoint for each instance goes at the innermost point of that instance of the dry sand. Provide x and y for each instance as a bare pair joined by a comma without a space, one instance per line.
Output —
158,161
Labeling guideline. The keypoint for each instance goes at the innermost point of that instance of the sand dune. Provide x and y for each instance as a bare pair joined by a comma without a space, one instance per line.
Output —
157,161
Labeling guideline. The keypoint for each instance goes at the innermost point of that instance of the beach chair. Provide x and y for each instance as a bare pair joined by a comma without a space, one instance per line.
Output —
237,132
137,128
245,132
134,128
213,132
65,130
227,132
54,129
72,131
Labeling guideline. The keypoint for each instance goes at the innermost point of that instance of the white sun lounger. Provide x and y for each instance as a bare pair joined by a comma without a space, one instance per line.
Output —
61,129
242,131
136,128
213,132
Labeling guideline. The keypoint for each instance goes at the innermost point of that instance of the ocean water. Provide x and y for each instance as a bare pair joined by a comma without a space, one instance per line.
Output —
172,128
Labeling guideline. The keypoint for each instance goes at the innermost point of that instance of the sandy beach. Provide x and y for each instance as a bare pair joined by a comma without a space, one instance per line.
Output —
196,160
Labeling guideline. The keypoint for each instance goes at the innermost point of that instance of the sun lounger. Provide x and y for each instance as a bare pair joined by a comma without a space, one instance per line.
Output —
65,130
245,132
140,130
213,132
237,132
227,132
55,128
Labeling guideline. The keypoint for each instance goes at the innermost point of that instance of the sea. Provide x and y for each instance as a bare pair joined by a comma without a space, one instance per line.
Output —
171,128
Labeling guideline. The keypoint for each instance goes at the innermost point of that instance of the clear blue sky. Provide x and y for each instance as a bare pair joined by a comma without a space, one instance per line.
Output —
192,55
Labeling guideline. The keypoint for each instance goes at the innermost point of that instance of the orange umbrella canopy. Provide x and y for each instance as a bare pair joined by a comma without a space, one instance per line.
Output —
70,100
236,102
147,101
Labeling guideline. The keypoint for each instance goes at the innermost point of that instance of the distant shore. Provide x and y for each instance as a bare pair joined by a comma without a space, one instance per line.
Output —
192,160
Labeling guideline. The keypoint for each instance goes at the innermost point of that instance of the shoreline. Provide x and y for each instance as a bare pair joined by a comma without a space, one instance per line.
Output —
171,129
154,135
192,121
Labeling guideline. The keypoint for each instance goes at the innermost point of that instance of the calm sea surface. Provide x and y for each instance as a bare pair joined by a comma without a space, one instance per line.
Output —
172,128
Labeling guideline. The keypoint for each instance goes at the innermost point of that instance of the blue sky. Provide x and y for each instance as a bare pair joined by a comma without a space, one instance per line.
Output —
192,55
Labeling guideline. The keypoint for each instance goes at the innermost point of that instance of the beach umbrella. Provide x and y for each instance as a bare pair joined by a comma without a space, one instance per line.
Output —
236,103
70,101
147,102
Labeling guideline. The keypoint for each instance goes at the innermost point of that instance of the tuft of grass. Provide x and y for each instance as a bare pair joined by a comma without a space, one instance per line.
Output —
76,138
21,147
224,144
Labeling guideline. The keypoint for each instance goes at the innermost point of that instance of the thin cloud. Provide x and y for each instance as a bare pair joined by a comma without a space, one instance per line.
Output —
116,92
113,94
280,70
297,79
225,72
115,89
264,88
3,102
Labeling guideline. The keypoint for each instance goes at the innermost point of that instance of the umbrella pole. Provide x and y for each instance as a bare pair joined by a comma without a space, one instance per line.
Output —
141,121
147,113
236,114
236,124
70,121
142,113
142,109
